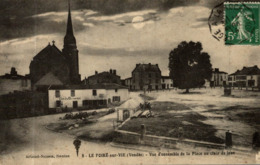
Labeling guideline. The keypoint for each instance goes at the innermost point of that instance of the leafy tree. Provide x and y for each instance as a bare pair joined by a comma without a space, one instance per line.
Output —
189,66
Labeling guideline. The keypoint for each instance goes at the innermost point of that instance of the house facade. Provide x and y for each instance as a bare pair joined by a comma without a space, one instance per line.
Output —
128,82
246,77
219,78
14,82
146,76
103,77
77,96
167,82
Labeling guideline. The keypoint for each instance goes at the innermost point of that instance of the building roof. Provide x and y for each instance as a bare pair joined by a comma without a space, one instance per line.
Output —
13,75
254,70
147,68
95,86
49,79
216,70
103,74
129,78
48,51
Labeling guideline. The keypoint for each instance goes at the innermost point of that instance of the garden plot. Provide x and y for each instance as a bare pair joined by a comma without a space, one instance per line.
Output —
204,114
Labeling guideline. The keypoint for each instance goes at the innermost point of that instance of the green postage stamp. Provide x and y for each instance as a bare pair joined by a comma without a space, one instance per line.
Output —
242,23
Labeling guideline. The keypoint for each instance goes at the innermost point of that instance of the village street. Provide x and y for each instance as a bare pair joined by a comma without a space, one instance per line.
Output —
29,137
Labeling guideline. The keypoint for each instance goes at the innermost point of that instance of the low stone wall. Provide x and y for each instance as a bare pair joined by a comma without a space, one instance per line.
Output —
160,141
127,137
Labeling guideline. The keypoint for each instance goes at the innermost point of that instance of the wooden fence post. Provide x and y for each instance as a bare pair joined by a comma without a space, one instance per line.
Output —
143,131
228,139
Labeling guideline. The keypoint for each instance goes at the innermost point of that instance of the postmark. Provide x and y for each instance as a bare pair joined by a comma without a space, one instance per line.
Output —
216,22
241,23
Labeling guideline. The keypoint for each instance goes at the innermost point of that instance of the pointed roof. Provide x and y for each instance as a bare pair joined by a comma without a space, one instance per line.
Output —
69,22
49,79
69,38
49,50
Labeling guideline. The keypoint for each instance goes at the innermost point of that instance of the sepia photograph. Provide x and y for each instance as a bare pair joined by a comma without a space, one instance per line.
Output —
129,82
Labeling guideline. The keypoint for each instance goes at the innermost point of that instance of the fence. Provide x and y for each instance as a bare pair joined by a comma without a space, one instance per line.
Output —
167,142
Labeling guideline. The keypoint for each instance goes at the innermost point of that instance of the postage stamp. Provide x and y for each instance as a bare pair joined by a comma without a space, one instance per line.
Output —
241,23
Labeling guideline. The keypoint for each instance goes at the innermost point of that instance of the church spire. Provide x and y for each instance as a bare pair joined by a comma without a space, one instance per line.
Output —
69,22
70,51
69,39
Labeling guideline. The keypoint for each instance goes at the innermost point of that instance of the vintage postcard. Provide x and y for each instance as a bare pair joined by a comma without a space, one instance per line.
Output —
129,82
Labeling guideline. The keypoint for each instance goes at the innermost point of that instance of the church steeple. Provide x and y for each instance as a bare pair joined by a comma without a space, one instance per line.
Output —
69,39
70,51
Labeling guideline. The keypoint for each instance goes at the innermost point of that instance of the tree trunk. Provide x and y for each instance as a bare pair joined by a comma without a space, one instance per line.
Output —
187,90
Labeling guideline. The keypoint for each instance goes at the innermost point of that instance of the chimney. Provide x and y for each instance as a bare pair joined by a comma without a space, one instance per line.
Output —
13,71
111,71
156,64
96,72
85,81
149,64
216,69
114,72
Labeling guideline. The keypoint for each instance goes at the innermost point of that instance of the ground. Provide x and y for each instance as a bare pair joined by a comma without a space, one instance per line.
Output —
31,136
203,114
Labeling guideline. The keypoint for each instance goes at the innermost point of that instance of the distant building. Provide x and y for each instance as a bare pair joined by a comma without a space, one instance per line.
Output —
246,77
103,77
218,78
167,82
88,96
14,82
62,64
146,76
128,83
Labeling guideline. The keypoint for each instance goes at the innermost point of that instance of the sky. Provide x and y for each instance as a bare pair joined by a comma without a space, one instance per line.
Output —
114,34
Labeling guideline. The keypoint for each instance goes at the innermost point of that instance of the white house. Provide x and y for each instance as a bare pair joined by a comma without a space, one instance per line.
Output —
75,96
14,82
167,82
246,77
218,79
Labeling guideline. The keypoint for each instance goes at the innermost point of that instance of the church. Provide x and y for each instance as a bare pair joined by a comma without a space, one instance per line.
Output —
54,67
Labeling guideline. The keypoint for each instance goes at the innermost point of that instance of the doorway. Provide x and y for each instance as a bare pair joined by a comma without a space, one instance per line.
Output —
75,104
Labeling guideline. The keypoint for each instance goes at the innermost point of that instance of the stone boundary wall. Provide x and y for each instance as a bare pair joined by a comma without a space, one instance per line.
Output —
160,141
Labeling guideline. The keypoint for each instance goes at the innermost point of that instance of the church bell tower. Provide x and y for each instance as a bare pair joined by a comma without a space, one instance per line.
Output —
70,51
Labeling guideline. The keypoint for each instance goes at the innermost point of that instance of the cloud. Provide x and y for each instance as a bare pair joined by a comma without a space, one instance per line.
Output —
49,15
79,18
122,52
118,16
112,41
88,24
